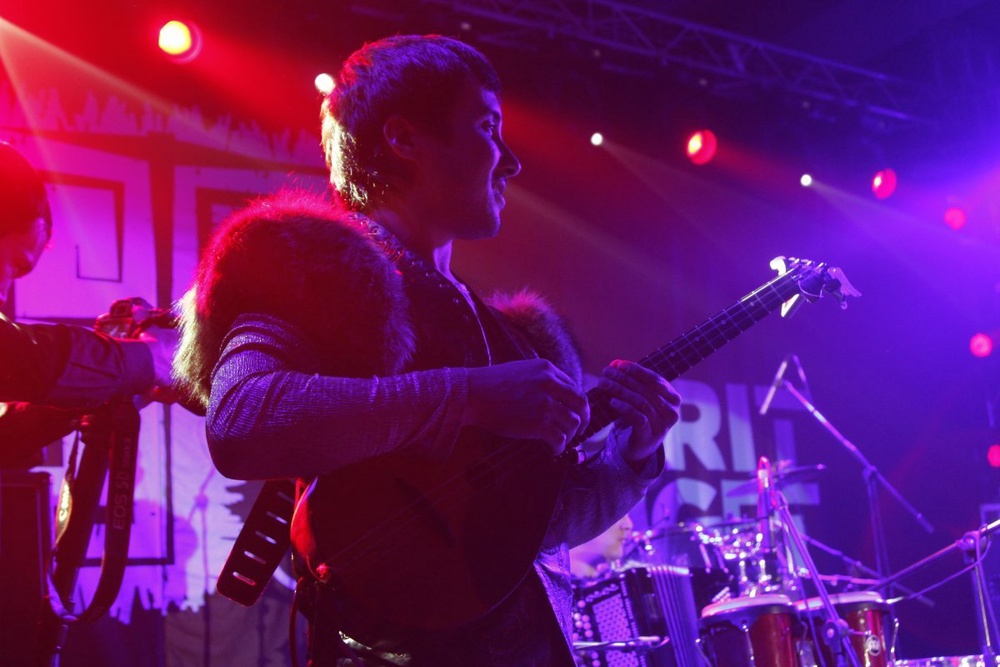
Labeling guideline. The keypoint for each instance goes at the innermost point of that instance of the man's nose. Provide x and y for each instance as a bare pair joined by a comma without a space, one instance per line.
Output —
509,164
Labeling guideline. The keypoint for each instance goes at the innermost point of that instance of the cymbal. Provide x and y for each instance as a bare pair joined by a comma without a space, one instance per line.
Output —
793,475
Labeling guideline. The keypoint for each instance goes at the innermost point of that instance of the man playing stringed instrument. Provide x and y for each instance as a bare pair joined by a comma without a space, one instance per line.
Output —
428,429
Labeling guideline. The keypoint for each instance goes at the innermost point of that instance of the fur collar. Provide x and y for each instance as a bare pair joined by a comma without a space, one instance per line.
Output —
298,258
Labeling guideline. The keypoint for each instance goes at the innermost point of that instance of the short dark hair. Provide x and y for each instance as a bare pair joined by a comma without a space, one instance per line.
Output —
417,76
23,198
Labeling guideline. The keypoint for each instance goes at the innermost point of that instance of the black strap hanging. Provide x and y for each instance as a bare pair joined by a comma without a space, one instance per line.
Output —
110,438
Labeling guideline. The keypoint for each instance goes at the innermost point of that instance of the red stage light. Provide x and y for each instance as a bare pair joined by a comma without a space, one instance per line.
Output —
180,40
701,147
993,455
954,217
981,345
884,183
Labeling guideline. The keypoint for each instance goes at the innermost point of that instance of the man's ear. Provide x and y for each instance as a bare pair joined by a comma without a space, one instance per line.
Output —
399,134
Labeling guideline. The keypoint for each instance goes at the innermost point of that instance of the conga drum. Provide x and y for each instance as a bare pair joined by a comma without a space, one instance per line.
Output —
866,614
750,632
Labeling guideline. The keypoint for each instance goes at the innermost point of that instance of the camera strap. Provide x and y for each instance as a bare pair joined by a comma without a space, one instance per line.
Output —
110,438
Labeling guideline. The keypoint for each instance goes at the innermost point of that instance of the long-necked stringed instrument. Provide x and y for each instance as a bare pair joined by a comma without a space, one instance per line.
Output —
419,546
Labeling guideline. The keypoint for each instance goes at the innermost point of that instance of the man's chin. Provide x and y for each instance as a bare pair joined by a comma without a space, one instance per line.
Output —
485,231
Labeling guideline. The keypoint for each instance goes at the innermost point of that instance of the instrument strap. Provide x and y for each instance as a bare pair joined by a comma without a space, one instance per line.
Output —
110,438
261,544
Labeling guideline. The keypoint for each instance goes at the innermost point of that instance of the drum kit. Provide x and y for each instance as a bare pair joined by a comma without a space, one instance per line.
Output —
746,592
740,593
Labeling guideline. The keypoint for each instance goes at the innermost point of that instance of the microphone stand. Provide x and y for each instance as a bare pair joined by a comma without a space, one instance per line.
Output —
970,543
872,478
835,631
987,620
874,579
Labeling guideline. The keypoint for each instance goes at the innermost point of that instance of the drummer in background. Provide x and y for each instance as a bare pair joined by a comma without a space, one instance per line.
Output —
603,553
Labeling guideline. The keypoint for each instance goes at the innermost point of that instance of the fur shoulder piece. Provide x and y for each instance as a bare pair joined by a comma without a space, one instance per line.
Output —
299,258
532,315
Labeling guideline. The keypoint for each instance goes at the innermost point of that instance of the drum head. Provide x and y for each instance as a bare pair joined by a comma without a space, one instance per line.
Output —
946,661
854,599
761,604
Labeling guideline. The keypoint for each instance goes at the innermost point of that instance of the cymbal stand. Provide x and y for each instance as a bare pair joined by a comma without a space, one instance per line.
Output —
872,478
835,631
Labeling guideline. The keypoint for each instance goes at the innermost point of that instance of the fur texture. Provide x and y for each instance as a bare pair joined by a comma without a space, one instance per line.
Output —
531,314
296,257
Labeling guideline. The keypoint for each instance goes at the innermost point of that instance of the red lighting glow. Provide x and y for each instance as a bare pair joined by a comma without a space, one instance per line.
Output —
981,345
701,147
954,217
884,183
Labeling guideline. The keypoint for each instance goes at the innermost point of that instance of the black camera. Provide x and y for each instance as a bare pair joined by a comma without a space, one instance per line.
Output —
127,318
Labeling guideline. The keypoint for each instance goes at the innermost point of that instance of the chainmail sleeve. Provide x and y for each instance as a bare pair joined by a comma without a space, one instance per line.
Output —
269,417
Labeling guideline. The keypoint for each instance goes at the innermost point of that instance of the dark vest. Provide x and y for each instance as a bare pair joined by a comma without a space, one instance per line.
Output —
521,631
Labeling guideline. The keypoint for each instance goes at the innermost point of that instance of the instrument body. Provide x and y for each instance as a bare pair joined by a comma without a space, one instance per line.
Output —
867,617
750,632
414,545
433,544
642,616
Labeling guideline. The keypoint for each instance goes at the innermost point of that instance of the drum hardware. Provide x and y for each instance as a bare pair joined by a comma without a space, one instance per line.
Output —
970,546
784,475
644,539
843,581
872,476
872,580
835,630
865,615
946,661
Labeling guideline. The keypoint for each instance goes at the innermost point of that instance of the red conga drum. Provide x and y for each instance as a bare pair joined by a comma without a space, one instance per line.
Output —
750,632
866,614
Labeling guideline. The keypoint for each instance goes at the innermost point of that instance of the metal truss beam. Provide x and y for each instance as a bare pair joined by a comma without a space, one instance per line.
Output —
652,40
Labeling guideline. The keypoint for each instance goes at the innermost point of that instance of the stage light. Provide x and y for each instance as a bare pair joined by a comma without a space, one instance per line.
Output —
884,183
954,217
179,40
324,83
806,180
981,345
596,139
701,147
993,455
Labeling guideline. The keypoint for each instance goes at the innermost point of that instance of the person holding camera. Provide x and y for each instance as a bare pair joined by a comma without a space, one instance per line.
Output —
56,364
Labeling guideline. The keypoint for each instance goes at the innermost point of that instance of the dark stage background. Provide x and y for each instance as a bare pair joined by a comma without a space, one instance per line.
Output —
629,240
